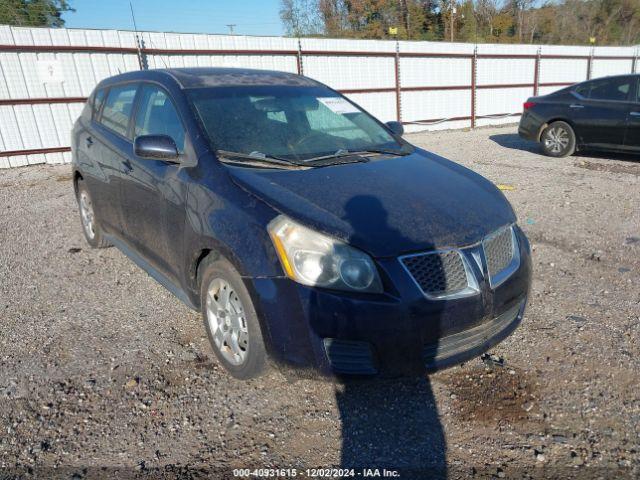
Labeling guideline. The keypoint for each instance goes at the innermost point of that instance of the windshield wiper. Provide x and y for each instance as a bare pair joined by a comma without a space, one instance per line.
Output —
355,153
257,158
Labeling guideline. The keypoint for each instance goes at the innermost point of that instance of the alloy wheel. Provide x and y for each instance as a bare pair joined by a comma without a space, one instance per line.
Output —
227,321
556,140
88,217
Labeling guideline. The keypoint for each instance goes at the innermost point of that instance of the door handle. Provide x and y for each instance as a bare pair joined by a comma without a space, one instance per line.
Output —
89,141
127,167
635,114
576,105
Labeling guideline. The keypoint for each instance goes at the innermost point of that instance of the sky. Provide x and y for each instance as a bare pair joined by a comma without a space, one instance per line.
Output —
252,17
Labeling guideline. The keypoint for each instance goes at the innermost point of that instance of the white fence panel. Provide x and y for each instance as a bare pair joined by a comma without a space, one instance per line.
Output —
603,68
347,72
431,72
381,105
9,131
557,70
350,72
433,105
501,101
505,71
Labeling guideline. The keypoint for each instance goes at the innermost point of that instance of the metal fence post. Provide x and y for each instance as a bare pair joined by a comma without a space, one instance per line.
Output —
590,64
634,61
536,73
142,56
299,59
474,62
398,86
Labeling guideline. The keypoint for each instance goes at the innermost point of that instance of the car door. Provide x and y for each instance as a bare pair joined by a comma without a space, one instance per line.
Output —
632,135
599,112
97,176
152,192
110,148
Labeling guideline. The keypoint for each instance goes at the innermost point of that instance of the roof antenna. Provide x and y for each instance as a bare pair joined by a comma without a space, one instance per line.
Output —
142,61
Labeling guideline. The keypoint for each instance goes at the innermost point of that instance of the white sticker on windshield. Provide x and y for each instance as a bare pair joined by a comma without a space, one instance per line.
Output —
338,105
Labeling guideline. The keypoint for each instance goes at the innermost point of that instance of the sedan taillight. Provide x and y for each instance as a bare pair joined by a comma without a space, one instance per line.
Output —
528,105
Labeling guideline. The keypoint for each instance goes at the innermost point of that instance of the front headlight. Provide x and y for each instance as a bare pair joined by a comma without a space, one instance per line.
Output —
315,259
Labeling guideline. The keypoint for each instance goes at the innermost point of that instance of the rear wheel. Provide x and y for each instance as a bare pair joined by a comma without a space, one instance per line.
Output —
90,227
558,140
230,320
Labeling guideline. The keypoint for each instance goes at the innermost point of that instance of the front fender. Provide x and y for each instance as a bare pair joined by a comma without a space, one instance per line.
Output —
224,219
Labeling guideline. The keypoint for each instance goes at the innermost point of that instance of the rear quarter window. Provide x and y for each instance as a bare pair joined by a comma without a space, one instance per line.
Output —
117,108
98,100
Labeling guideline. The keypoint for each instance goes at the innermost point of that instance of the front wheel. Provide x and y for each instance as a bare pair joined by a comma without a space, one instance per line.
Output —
90,226
558,140
230,320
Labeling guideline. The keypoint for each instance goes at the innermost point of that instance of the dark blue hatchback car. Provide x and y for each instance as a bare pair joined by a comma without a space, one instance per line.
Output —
304,229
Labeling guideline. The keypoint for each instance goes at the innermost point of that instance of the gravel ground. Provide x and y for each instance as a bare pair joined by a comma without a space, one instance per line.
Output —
104,373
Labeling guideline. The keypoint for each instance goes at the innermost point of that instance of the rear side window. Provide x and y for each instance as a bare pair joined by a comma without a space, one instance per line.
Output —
614,89
98,100
117,108
584,89
157,115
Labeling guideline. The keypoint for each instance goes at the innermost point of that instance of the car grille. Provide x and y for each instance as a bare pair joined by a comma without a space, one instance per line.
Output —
500,254
438,273
447,274
498,249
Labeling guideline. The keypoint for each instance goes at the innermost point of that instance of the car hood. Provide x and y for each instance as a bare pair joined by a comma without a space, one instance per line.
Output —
387,206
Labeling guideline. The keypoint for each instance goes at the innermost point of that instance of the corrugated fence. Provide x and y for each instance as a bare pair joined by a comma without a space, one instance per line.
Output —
46,75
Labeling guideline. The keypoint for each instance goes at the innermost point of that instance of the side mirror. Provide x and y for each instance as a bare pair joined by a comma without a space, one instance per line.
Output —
158,147
396,128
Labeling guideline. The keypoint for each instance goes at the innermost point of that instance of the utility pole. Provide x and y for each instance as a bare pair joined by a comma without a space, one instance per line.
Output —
231,27
453,12
405,15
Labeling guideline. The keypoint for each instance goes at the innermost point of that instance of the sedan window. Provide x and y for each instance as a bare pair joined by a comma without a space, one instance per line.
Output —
584,89
157,116
616,89
117,108
98,99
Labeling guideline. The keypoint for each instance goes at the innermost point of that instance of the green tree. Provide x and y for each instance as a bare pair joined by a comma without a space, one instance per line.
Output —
33,13
468,23
301,17
611,22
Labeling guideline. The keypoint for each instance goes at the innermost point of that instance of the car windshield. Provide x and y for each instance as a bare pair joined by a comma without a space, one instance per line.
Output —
287,122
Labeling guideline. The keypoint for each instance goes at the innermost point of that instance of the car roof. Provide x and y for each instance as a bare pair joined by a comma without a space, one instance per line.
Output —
622,75
573,86
200,77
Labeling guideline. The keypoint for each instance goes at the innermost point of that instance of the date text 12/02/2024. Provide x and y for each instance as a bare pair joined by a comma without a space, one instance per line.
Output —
316,473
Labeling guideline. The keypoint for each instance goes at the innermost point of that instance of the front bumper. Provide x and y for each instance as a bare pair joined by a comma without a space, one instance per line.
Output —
397,333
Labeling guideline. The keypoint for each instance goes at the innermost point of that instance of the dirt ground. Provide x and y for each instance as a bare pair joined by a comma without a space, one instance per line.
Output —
104,373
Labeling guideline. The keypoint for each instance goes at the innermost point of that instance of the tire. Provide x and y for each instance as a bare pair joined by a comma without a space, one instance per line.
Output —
230,320
558,140
90,225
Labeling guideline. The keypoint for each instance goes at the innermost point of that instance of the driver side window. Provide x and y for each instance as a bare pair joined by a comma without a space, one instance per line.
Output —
157,115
